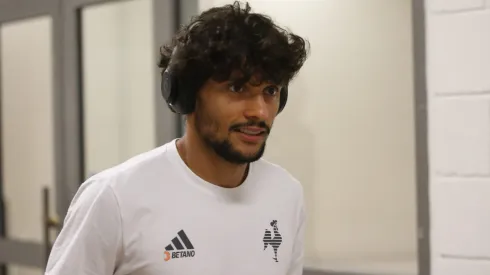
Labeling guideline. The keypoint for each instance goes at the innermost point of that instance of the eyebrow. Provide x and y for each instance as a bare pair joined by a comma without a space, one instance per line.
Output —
243,81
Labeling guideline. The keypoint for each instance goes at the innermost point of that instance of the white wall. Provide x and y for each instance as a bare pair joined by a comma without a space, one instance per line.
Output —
348,130
458,68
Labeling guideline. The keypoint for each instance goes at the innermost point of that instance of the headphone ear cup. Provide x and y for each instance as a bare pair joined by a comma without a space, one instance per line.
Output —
283,98
167,90
170,92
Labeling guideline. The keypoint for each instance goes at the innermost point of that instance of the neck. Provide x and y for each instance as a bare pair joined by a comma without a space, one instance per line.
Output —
205,163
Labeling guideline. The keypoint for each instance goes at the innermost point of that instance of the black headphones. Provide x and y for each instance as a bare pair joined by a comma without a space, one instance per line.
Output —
180,94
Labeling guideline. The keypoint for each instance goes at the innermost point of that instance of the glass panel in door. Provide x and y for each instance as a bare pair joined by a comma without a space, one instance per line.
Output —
118,68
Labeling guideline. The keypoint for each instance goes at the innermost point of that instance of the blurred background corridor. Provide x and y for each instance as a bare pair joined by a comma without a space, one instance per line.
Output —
387,125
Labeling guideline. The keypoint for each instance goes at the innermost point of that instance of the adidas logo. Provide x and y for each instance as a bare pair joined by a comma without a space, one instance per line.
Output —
181,247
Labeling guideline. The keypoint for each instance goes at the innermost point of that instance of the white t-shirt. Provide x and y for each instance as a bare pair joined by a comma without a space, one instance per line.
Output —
151,215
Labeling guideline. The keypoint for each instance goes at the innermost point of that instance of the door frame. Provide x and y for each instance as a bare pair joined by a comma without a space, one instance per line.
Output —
19,252
424,259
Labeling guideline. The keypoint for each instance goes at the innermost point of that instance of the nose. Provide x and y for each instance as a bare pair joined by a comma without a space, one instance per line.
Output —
256,108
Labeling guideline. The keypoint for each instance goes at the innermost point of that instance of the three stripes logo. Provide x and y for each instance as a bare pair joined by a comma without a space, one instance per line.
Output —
181,247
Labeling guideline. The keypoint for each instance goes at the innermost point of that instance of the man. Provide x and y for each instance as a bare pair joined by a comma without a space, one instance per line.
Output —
205,203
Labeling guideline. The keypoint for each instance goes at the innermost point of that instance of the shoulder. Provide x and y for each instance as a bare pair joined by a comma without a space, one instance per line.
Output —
136,164
290,188
130,176
275,173
275,170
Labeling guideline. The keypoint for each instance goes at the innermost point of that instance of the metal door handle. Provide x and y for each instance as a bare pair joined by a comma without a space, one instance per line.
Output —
3,229
49,223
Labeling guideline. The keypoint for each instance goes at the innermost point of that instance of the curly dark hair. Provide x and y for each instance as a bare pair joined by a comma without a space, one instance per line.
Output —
231,38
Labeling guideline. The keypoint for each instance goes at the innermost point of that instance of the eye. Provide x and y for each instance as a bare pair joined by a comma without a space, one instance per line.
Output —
235,88
271,90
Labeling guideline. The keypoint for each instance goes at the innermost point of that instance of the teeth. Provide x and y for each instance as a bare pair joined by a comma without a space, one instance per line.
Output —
248,132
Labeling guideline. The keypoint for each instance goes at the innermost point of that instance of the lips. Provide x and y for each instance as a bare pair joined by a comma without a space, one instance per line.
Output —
251,135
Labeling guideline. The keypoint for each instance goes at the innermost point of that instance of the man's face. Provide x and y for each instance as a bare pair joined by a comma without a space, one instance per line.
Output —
234,119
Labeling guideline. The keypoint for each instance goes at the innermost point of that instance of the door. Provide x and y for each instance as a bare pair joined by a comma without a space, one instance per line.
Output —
79,92
28,119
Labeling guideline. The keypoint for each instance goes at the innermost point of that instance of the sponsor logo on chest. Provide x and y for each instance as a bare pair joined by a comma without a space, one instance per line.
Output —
180,247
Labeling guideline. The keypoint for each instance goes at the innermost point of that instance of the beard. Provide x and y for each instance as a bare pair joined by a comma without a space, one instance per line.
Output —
207,129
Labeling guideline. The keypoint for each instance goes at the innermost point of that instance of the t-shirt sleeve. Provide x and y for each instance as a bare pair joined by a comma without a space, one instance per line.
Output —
90,242
297,260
